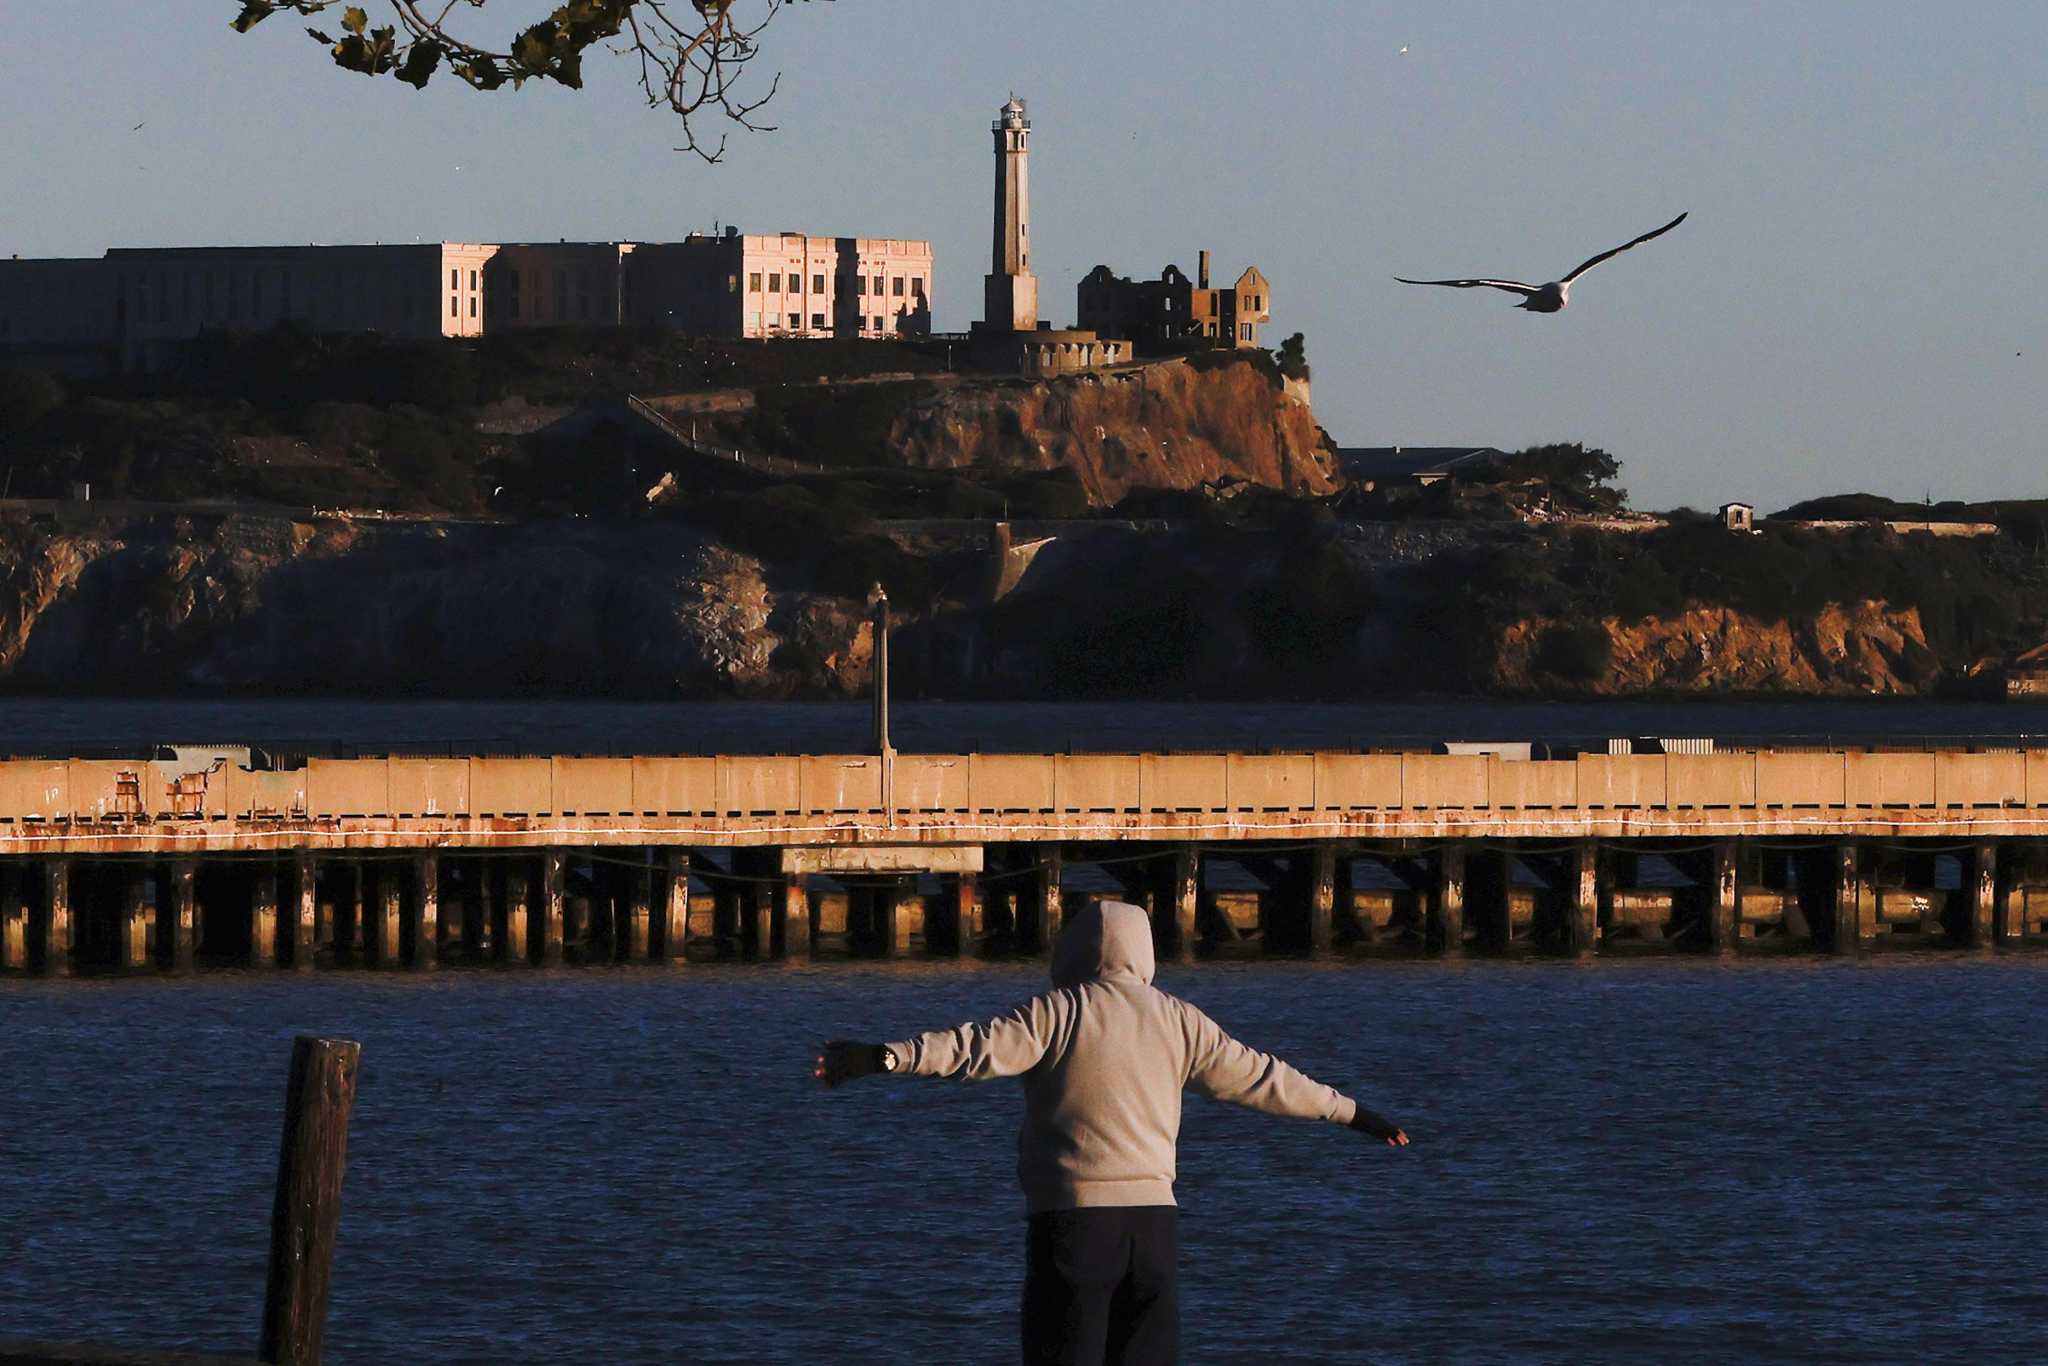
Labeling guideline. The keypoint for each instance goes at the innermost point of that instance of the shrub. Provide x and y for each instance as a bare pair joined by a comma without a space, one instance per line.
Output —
1576,652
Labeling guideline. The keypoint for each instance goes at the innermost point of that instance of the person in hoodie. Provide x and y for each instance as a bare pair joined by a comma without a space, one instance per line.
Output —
1104,1056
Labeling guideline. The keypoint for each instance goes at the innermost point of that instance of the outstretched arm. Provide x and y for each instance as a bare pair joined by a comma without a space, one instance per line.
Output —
1224,1069
1003,1047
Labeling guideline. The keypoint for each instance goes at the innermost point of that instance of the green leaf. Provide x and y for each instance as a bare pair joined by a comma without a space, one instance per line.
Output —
354,20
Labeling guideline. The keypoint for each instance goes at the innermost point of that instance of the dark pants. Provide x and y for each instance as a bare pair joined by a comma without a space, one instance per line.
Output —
1100,1286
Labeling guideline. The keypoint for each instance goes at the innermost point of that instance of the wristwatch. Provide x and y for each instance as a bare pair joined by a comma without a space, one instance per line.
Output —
888,1057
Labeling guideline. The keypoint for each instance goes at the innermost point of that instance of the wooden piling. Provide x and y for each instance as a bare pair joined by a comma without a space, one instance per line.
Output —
306,1212
1322,900
758,905
1180,902
13,919
1446,929
553,871
1040,911
426,912
513,943
964,891
263,918
1582,914
639,935
1848,896
674,921
793,921
183,895
305,910
50,936
1723,890
381,940
131,927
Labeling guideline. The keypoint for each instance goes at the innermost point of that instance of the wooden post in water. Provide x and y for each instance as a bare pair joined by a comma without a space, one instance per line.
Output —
1722,892
1847,894
305,910
132,927
263,917
183,896
426,912
1182,900
13,919
674,920
513,944
553,871
384,942
1582,916
639,914
964,890
1322,899
307,1209
1446,929
793,923
51,932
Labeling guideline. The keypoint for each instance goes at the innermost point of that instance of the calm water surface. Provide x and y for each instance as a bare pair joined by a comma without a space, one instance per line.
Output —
1672,1161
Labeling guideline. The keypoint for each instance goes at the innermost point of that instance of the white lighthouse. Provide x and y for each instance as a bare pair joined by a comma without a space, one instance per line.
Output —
1011,290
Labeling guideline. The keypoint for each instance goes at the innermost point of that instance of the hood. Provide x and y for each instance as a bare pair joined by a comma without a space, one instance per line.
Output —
1108,939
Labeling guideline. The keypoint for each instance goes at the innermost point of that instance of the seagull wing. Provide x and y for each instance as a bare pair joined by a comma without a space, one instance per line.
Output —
1512,286
1622,248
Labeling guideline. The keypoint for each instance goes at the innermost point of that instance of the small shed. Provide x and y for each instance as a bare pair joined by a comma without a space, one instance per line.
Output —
1738,516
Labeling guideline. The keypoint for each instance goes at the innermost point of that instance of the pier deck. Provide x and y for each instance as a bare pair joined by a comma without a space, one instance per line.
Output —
386,861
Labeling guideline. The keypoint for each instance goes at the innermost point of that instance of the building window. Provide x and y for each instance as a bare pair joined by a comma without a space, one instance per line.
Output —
917,286
878,286
454,278
454,306
818,320
795,322
878,326
863,324
817,284
754,318
860,285
472,305
1244,331
775,282
754,282
472,279
896,286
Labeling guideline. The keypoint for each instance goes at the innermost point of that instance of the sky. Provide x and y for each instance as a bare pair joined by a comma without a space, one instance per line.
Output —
1858,302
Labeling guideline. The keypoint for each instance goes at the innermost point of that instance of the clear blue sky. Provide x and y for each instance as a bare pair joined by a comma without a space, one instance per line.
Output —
1867,183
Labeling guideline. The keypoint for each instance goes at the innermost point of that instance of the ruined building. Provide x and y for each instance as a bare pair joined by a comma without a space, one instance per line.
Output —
1155,314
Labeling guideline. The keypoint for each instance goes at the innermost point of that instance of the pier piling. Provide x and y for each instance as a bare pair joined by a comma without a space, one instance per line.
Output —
513,944
305,910
131,926
383,939
50,939
639,935
1322,900
307,1209
263,918
553,908
1446,929
793,936
1723,891
426,912
674,922
13,920
183,902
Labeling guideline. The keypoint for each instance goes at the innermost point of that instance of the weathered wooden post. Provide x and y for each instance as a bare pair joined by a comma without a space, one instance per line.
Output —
675,906
1722,893
50,935
964,891
1446,930
1322,899
1182,900
553,872
263,917
307,1209
1582,916
513,944
305,910
426,912
132,927
1980,887
793,924
639,914
13,919
183,896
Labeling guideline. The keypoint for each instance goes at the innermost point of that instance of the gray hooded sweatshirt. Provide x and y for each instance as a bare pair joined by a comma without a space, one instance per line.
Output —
1104,1057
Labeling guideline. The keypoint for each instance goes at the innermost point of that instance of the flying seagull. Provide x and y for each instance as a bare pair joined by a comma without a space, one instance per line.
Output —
1554,296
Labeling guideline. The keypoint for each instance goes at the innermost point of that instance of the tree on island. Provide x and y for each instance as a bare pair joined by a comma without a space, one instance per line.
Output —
691,56
1293,357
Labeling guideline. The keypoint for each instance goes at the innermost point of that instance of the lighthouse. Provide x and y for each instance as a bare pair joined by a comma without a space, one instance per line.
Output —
1010,296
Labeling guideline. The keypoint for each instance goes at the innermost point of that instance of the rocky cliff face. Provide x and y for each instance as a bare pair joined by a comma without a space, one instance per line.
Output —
1855,650
179,605
1169,425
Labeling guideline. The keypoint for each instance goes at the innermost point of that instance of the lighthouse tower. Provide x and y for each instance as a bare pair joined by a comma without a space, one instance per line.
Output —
1011,290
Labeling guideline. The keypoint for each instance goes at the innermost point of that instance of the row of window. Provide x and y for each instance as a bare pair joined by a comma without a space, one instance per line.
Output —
860,284
773,321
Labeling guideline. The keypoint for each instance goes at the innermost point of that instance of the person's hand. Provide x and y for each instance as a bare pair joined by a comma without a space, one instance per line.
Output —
844,1060
1366,1122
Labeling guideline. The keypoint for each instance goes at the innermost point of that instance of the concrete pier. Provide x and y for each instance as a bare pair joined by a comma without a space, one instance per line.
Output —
552,908
50,935
424,913
305,910
13,920
1446,906
132,929
513,943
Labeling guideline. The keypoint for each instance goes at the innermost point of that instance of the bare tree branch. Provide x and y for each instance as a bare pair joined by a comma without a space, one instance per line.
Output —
692,55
